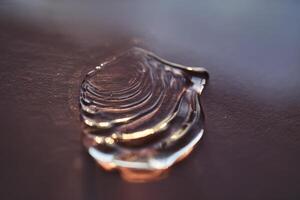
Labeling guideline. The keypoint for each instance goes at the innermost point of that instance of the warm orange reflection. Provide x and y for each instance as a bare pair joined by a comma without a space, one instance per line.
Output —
139,176
136,176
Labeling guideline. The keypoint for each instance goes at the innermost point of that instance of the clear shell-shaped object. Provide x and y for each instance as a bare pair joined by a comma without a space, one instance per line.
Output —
141,113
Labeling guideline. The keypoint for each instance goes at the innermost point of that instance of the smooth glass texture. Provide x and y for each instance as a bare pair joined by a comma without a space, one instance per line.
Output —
141,113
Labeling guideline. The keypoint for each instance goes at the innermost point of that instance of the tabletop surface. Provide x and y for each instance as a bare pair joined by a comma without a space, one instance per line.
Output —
251,145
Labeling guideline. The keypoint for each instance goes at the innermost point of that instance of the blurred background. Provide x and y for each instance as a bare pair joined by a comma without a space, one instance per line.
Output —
252,103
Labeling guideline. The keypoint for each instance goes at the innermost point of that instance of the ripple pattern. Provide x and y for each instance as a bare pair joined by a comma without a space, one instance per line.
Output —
141,113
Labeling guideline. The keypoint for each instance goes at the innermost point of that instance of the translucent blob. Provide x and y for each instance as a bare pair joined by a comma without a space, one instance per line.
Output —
141,113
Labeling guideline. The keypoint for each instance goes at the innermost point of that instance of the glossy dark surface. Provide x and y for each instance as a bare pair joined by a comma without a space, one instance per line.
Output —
252,103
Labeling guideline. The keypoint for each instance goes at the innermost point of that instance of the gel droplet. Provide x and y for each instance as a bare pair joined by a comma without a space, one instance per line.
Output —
142,114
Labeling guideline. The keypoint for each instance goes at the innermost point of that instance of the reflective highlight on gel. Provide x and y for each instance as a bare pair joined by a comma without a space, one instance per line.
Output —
142,114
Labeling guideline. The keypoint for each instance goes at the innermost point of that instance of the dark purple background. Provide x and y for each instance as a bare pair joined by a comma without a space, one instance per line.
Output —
252,103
